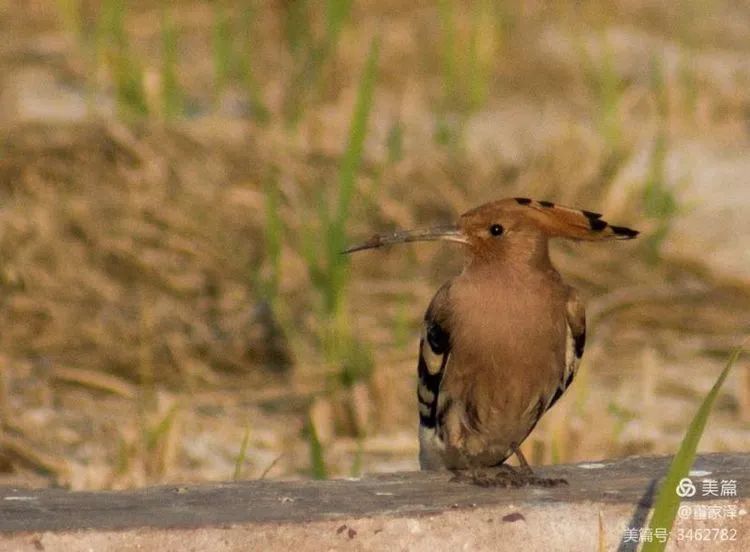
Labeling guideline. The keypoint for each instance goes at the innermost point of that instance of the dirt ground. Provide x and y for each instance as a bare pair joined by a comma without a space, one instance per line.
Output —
137,346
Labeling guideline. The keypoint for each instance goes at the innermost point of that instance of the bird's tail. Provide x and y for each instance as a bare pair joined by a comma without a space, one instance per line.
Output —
576,224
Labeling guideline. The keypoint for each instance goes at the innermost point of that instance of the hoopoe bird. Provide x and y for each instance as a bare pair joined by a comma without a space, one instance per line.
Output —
501,342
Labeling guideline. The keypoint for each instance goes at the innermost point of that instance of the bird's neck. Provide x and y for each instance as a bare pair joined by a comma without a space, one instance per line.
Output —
522,254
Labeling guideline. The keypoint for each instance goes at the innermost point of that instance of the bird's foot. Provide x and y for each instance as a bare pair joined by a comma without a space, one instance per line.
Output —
505,476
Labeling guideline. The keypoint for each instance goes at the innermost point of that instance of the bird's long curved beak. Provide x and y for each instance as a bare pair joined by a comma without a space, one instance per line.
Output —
445,233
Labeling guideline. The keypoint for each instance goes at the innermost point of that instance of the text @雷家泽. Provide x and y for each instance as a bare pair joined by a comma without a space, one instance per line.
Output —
694,510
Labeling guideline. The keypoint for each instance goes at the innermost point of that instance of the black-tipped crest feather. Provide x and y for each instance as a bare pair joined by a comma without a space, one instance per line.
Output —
577,224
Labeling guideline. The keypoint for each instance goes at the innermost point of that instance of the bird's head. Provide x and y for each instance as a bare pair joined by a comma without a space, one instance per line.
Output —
510,224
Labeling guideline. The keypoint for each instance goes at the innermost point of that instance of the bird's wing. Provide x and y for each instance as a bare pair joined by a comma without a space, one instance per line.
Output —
434,357
576,323
434,352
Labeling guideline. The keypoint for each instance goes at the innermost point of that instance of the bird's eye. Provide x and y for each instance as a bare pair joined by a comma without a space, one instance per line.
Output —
496,229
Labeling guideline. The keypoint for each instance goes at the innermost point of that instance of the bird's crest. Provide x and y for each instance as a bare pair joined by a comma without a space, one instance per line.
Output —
567,222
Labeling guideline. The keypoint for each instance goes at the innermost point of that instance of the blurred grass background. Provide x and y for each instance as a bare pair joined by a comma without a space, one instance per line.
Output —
178,178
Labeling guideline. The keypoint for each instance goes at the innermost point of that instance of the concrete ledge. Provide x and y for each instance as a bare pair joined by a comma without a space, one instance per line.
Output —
409,511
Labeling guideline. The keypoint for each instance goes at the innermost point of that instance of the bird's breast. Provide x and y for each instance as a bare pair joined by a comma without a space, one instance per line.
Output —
508,344
507,318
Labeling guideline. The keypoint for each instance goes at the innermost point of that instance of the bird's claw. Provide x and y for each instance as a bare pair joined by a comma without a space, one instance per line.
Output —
506,477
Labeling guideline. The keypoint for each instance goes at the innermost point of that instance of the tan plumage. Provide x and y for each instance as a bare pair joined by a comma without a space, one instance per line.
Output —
502,340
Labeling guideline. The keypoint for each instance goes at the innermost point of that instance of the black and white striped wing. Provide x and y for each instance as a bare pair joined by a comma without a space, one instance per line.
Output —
434,351
434,356
576,341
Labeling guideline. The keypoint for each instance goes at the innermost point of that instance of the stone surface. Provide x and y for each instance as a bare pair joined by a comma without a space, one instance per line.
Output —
414,511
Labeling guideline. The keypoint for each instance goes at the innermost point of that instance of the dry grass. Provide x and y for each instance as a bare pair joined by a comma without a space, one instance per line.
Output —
137,346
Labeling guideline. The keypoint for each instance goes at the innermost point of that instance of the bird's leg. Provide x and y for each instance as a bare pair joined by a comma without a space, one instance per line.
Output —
528,473
524,465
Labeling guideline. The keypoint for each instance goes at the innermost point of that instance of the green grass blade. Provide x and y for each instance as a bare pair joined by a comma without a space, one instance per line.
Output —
310,246
356,469
482,53
156,434
242,455
357,132
248,51
297,29
337,11
348,169
318,468
222,49
126,71
302,48
171,94
395,142
667,501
